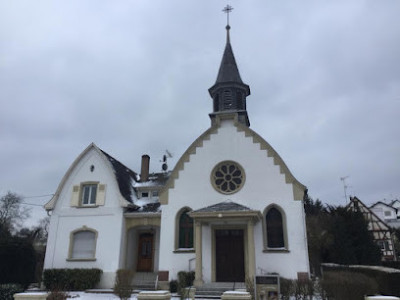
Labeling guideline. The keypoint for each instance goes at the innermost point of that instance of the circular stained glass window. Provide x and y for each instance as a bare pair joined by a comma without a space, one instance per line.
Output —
227,177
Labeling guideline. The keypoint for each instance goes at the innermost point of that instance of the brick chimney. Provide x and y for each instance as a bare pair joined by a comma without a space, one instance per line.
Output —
144,173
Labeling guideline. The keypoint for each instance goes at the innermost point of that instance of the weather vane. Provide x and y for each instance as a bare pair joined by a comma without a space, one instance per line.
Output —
227,9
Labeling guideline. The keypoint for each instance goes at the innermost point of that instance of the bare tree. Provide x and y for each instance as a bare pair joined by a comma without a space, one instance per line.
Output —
12,213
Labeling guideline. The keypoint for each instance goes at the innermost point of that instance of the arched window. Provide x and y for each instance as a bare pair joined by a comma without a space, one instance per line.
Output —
83,244
275,228
185,230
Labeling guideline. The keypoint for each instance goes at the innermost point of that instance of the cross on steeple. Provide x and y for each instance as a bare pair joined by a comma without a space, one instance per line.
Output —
227,9
229,93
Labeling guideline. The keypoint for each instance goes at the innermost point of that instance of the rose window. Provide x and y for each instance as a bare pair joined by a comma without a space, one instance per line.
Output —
227,177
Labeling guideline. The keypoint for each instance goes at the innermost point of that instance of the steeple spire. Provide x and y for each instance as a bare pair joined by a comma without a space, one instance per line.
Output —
229,92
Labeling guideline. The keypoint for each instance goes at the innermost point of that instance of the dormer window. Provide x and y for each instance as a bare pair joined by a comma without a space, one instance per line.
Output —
145,194
89,194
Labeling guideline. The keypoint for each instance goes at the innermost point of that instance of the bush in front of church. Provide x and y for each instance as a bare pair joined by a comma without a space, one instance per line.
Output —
71,279
123,287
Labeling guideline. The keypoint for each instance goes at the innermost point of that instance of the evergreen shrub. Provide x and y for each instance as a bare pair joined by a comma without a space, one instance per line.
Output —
173,286
347,285
18,261
388,280
391,264
8,290
185,279
123,287
57,295
303,289
71,279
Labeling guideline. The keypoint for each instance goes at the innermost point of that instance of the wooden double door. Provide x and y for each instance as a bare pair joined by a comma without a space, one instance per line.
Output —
145,252
229,255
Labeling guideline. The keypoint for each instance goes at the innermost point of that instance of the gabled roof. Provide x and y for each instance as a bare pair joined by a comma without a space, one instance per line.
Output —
123,175
298,188
226,209
223,207
397,202
384,204
376,222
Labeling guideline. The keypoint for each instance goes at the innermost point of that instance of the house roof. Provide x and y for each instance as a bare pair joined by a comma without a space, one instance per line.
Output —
152,207
360,206
155,180
223,207
226,209
126,179
384,204
124,176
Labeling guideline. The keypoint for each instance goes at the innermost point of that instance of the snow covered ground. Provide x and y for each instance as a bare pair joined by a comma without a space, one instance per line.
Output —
102,296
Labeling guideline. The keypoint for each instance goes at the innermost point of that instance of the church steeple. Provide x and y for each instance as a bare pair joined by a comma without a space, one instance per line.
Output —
229,92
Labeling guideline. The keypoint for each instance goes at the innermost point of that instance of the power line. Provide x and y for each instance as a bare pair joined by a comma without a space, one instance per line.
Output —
38,196
24,203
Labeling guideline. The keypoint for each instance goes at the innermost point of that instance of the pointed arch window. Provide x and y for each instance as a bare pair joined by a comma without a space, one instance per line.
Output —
185,230
275,229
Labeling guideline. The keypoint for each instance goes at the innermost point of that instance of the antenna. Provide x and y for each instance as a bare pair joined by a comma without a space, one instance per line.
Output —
345,186
164,165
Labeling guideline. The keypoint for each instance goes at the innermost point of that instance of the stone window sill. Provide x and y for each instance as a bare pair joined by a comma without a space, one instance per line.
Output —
278,250
81,259
87,206
183,250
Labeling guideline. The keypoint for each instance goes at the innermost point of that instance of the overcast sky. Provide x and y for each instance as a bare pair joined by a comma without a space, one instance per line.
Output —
133,77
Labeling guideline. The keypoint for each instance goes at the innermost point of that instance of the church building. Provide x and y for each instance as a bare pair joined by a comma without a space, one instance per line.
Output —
229,210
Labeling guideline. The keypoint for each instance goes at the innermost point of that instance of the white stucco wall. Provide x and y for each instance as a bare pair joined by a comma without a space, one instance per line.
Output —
106,220
264,185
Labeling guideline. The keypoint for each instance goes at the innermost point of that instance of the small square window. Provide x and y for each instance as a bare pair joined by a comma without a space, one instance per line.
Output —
155,194
145,194
89,194
387,213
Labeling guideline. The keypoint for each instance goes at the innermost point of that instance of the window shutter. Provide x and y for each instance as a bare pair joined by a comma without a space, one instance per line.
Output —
101,194
75,196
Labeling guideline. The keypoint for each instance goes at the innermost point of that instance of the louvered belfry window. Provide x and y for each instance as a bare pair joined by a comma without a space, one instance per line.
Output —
185,230
275,238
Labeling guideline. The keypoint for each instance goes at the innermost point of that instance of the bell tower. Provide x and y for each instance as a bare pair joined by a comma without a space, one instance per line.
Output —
229,92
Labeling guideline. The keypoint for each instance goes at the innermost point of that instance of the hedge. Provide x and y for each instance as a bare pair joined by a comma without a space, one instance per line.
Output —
18,261
71,279
388,279
8,290
391,264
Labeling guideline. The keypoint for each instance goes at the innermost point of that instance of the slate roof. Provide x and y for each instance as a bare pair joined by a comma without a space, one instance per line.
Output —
228,70
155,179
124,176
147,208
129,183
223,207
384,204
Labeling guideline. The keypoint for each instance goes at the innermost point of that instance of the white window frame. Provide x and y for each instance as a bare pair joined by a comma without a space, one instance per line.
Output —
90,200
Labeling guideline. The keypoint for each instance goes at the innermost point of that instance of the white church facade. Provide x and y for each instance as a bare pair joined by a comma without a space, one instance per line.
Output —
229,210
